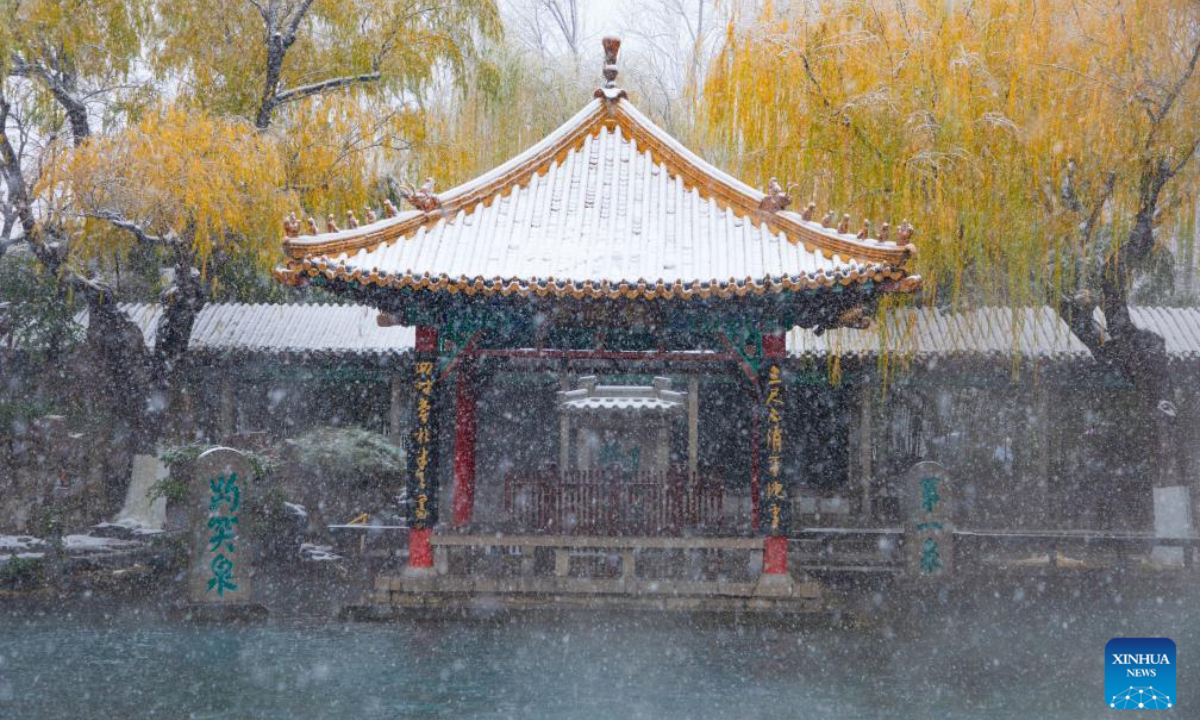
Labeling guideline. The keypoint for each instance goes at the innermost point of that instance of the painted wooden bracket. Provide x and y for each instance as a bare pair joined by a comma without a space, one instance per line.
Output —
746,342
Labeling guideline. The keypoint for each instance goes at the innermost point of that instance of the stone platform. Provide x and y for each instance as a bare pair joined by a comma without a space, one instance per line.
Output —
561,586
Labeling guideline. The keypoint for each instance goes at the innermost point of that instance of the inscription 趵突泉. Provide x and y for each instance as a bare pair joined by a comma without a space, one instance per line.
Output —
223,506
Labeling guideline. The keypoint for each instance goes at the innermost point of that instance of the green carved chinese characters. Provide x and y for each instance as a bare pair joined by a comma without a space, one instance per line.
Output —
222,575
930,536
223,506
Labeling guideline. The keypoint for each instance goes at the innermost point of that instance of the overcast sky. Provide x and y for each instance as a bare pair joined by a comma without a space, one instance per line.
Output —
601,16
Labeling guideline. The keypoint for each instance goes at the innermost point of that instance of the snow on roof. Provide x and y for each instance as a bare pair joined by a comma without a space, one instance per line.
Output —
608,205
591,397
268,328
1179,327
1031,333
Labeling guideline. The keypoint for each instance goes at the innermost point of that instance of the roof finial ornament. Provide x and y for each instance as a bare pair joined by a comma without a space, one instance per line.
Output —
291,225
612,46
610,91
776,198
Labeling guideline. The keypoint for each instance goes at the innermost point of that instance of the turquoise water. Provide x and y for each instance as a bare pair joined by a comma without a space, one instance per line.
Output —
1008,659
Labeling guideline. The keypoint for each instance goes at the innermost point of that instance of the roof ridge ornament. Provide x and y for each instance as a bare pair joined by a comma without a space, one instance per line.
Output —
609,90
422,198
776,198
291,225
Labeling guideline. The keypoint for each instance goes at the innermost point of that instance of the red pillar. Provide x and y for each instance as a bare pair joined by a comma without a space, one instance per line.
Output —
464,444
775,547
775,555
420,550
775,346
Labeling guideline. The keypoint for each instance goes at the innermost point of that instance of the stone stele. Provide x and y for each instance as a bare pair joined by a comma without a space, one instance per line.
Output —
220,499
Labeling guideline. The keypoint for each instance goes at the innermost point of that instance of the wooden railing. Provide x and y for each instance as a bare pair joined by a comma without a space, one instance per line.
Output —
611,503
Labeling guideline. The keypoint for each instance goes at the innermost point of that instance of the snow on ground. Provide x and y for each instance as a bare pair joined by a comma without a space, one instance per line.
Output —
23,555
319,553
22,546
90,543
133,526
9,543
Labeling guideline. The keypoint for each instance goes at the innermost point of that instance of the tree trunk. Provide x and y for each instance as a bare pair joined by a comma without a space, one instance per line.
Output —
119,350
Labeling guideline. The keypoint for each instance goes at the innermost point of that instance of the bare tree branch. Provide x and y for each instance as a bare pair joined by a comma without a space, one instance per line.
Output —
303,91
262,10
62,87
18,198
293,26
1182,81
119,221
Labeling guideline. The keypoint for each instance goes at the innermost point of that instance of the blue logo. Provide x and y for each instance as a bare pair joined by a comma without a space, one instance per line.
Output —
1139,674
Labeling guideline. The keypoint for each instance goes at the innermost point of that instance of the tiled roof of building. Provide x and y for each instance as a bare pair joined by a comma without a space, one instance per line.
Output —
607,206
1030,333
1180,327
591,397
281,329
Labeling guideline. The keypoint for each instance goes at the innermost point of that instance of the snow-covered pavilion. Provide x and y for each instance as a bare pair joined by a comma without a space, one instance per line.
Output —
608,240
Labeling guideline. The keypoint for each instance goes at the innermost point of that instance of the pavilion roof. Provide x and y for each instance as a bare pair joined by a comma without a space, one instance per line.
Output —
607,206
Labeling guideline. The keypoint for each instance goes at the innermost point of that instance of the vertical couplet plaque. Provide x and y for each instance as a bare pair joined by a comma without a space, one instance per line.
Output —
776,498
422,447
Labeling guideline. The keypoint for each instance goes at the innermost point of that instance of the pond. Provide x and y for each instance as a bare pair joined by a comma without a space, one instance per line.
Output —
1006,658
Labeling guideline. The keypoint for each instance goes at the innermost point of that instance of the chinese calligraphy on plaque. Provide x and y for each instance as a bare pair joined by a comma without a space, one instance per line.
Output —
931,529
776,505
422,448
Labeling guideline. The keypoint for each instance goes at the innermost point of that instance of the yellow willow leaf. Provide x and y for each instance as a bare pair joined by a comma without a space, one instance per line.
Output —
202,183
962,118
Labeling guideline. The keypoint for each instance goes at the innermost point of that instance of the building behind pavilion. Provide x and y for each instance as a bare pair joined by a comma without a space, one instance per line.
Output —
998,395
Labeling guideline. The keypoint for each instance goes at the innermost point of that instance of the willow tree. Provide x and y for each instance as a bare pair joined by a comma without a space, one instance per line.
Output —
343,84
65,69
186,129
62,66
513,98
196,188
1043,148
